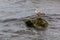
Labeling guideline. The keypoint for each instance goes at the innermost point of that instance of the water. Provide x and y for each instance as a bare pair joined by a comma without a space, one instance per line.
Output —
12,13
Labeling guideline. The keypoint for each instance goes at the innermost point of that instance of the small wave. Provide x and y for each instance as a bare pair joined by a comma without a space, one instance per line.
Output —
46,17
7,20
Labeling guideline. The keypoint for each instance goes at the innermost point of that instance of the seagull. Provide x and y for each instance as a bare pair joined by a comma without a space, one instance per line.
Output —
38,12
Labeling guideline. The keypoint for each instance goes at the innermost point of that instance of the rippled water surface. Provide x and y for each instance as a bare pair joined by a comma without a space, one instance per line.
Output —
13,12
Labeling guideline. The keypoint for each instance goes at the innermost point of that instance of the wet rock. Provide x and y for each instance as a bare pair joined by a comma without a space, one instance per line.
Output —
37,23
29,23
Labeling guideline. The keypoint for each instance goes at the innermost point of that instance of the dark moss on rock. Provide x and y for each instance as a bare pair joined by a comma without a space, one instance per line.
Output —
29,23
41,22
37,23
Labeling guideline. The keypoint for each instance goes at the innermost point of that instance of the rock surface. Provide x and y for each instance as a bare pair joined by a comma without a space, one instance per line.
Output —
37,23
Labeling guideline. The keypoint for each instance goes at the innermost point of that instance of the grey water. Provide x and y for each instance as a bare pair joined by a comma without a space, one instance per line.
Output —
12,13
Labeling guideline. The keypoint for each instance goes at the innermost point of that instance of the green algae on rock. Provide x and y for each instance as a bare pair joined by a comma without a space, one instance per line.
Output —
37,23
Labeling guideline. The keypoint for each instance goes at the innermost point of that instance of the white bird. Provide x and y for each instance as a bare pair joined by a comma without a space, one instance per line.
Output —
38,12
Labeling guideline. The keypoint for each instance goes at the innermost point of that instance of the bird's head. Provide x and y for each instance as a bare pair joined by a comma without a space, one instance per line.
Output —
38,12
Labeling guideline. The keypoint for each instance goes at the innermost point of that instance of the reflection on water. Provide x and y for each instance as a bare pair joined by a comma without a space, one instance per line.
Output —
14,12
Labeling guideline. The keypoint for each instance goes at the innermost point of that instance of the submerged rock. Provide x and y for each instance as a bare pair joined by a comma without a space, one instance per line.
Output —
37,23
